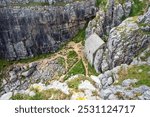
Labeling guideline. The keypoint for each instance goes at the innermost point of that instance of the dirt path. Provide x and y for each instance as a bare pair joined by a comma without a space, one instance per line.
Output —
71,46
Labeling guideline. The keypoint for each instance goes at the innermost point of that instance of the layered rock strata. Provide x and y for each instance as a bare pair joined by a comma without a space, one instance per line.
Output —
26,32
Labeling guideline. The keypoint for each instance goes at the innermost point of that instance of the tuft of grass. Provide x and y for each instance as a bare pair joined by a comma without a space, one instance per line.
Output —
133,73
74,83
77,69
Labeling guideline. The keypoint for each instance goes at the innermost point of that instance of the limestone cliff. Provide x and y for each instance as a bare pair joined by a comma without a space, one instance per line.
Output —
26,31
123,42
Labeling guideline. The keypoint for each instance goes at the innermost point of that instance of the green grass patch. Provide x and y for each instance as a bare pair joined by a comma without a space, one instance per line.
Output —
71,54
72,58
91,70
77,69
80,37
101,2
3,65
35,58
61,61
135,73
139,7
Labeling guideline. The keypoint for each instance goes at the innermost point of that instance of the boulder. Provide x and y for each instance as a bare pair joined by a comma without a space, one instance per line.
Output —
92,44
6,96
129,82
86,85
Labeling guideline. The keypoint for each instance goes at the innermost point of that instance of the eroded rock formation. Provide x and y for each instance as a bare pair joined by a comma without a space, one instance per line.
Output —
124,41
26,32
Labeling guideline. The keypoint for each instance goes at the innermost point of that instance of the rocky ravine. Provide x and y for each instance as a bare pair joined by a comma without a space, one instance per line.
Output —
26,31
123,42
119,49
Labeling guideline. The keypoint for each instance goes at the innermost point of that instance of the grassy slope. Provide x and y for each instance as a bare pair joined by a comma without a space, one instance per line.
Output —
141,73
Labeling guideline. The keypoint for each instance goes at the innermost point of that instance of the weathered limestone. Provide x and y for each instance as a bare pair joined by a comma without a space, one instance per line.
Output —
108,17
29,31
92,44
124,43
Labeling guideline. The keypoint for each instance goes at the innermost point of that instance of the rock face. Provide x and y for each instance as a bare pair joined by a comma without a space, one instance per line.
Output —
92,44
26,32
108,17
124,43
14,2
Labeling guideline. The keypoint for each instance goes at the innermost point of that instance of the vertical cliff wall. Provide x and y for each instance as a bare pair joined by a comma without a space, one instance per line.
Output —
29,31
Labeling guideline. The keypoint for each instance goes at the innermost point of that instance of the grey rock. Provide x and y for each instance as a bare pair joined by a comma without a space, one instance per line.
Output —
104,20
13,76
33,30
129,94
31,94
32,65
122,45
6,96
112,97
145,96
144,88
129,82
110,81
28,73
6,88
105,93
92,44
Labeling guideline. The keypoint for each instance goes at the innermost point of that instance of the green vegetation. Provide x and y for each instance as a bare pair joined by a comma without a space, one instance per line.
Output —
3,65
72,58
71,54
35,58
141,73
139,7
91,70
74,83
101,2
80,36
44,95
61,61
77,69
